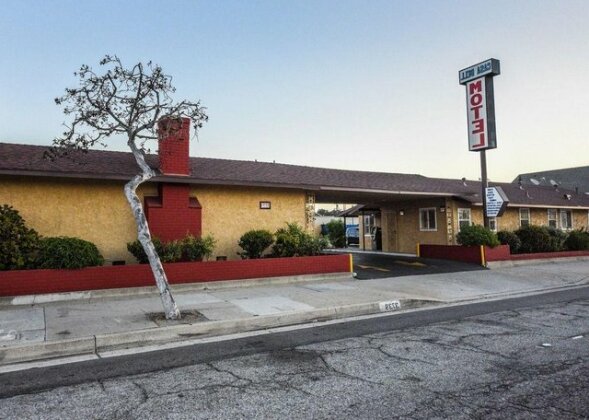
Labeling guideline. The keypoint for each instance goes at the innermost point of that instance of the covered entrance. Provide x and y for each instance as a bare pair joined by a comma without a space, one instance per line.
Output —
396,221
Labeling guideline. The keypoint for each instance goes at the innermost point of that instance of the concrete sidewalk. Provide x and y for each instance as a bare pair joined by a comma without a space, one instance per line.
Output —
106,321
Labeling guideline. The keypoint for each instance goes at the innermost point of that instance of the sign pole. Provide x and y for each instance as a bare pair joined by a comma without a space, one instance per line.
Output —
480,108
484,185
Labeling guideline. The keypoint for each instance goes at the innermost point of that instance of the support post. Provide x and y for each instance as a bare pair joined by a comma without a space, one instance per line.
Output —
484,185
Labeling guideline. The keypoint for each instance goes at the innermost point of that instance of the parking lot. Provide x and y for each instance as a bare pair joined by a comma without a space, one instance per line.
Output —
374,265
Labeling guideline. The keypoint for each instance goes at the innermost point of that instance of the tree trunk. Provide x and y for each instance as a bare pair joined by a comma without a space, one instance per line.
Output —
144,236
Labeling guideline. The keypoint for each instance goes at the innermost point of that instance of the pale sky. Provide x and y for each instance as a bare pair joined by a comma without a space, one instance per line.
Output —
367,85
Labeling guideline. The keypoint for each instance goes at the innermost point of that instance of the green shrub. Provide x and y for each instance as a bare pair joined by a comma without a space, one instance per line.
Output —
196,249
64,252
557,239
189,248
18,243
507,237
336,232
254,243
578,240
293,241
136,249
477,235
535,239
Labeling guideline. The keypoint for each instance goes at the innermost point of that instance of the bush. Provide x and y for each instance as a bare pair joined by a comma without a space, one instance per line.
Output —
535,239
196,249
254,243
64,252
557,238
336,232
507,237
189,248
578,240
293,241
136,249
18,243
477,235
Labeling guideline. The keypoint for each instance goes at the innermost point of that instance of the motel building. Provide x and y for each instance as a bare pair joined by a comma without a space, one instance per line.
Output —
82,196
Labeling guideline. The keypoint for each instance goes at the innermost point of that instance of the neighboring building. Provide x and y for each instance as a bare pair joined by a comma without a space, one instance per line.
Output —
575,179
83,197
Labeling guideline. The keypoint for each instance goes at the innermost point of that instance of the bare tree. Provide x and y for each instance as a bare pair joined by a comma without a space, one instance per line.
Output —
128,102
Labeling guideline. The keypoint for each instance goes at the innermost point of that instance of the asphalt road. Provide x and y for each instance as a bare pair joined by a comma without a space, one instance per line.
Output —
374,266
524,357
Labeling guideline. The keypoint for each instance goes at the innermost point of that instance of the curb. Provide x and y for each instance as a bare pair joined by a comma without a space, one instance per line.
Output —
177,333
517,263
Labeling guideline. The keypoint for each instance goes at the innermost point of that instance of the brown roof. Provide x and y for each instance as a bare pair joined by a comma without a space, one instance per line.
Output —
28,160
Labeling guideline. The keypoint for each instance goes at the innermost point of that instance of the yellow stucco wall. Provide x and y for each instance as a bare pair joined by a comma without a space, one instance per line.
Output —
229,212
98,211
510,219
400,225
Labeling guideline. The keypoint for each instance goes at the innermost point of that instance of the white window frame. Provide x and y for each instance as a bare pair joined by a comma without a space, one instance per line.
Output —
528,219
469,220
555,219
495,221
560,217
428,228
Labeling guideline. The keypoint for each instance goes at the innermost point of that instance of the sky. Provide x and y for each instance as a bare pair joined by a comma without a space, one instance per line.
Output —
364,85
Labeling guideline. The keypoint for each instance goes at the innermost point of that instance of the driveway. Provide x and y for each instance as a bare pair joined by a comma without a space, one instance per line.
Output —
374,266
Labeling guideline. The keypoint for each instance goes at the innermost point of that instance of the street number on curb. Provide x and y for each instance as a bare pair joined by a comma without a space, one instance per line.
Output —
389,306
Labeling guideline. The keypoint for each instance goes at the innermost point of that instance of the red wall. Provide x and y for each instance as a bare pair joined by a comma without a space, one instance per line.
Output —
173,214
27,282
563,254
498,253
469,254
472,254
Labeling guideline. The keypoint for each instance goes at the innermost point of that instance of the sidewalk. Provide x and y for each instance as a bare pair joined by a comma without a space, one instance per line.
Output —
107,321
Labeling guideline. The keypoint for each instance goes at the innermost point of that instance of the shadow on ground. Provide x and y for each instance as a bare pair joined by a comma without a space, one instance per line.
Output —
374,266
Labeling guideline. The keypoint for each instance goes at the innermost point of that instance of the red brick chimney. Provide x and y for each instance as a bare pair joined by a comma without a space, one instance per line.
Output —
174,145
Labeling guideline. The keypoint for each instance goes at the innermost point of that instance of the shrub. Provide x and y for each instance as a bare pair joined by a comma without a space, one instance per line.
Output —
477,235
64,252
196,249
336,232
507,237
535,239
293,241
189,248
136,249
18,243
254,243
578,240
557,238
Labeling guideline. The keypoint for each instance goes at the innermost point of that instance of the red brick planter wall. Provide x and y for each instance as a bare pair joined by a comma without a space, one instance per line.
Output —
499,253
472,254
27,282
469,254
542,255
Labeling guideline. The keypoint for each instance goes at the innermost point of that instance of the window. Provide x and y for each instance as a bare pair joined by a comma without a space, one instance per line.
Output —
524,217
493,224
463,218
566,219
427,219
552,218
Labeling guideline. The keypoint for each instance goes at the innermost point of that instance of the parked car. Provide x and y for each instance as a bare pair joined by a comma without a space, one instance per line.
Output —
353,236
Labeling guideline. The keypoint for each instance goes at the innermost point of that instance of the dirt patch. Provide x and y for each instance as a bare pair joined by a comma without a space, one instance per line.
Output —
188,317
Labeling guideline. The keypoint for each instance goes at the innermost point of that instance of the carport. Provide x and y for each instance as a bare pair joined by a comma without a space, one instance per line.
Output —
390,218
